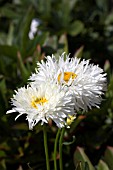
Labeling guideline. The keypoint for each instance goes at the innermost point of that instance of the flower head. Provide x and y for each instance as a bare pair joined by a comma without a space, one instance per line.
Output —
42,103
84,81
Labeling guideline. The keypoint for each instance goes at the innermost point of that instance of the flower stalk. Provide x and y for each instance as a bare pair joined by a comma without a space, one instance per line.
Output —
55,149
46,148
60,148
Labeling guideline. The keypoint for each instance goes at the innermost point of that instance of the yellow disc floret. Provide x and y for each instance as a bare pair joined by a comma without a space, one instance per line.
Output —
39,101
67,76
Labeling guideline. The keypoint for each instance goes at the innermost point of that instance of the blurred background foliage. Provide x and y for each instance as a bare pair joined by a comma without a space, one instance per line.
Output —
82,28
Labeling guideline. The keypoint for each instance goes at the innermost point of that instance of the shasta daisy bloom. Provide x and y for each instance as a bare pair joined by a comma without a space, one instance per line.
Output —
42,103
85,81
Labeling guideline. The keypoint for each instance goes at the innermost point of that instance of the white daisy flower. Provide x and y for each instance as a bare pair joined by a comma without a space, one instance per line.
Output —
86,82
43,103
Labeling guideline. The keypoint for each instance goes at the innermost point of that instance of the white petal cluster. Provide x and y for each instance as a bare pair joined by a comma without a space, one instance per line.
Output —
45,71
59,88
56,104
86,87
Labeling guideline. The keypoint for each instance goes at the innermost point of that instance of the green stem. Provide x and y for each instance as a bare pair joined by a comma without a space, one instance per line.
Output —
55,149
60,149
46,149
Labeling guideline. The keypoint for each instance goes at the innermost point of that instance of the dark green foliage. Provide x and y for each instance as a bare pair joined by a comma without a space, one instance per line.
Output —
82,28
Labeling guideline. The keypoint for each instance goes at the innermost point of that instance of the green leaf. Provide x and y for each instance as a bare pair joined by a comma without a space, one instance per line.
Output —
43,7
2,153
10,34
102,166
24,72
76,28
80,156
109,19
3,91
10,51
52,41
108,156
72,3
7,12
3,37
86,166
3,164
107,66
62,46
25,28
38,40
107,69
102,4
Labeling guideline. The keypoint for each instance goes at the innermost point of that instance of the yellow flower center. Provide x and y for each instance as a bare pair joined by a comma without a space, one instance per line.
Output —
39,101
67,76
